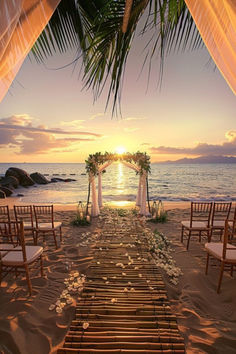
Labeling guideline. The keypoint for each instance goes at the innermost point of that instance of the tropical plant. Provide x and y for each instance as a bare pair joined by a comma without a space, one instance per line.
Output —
102,32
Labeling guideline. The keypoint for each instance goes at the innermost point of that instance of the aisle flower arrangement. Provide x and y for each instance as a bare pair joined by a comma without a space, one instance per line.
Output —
160,248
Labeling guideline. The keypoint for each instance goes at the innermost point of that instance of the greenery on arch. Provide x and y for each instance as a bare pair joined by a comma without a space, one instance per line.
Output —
140,159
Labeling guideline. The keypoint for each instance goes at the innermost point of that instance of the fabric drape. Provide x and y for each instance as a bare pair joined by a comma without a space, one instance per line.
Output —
21,22
216,22
95,208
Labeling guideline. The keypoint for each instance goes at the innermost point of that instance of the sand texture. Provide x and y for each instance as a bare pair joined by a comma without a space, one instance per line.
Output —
207,321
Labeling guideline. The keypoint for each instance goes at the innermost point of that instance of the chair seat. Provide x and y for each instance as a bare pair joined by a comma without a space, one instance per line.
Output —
5,247
15,258
198,225
28,225
216,249
47,226
218,224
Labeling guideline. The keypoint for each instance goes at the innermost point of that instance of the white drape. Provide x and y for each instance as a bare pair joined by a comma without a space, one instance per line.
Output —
95,208
138,199
216,22
21,22
143,207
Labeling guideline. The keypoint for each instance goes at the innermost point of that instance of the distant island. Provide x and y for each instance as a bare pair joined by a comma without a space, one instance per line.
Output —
204,159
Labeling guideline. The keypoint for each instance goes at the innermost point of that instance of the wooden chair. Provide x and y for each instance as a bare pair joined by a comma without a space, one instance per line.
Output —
4,214
220,213
18,258
8,236
232,226
25,213
45,223
224,252
199,223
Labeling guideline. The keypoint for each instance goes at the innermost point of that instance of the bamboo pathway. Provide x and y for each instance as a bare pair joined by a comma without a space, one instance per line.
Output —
124,303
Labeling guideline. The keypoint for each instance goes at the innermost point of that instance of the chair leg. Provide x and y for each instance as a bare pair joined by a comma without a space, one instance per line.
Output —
60,234
207,263
221,276
232,270
200,236
55,238
41,266
28,279
182,234
189,235
0,273
209,235
36,238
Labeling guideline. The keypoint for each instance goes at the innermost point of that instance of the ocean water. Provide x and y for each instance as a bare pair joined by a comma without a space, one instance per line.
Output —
170,182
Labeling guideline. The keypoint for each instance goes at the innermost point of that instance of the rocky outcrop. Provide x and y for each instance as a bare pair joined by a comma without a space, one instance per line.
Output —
57,179
39,178
9,182
23,177
2,194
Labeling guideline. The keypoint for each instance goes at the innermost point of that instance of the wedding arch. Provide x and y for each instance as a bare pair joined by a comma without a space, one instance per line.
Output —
98,162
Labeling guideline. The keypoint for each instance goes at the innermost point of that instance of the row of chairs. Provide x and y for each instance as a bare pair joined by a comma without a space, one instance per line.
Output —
38,219
207,218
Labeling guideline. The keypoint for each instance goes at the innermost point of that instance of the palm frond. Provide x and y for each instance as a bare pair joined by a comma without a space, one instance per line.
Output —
94,28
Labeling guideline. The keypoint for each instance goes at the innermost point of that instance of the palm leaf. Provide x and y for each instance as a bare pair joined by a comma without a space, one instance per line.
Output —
94,28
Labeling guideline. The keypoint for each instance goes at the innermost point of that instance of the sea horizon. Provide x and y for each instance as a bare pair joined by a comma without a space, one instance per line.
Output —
167,182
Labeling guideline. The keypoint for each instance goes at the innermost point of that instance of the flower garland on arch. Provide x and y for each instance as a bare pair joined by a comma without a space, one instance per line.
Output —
140,159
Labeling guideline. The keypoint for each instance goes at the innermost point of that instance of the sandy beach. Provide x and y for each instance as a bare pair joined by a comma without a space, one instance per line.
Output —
207,321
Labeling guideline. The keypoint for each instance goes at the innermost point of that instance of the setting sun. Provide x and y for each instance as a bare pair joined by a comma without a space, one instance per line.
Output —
120,150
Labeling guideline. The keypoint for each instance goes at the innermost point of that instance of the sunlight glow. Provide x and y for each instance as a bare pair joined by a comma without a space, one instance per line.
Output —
120,150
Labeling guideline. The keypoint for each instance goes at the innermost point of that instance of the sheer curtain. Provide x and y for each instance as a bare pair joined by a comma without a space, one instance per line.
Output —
216,22
21,22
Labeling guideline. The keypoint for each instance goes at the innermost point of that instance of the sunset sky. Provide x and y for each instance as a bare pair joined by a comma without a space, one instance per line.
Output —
46,117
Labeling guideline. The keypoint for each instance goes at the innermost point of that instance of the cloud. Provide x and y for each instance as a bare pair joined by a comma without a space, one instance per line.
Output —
77,123
133,118
201,149
18,132
130,130
145,144
97,115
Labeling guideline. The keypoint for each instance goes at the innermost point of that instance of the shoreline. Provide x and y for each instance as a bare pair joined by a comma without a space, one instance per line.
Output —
11,201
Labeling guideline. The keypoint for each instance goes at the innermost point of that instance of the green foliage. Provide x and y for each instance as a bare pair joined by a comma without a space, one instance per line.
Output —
80,221
162,218
141,159
134,211
121,212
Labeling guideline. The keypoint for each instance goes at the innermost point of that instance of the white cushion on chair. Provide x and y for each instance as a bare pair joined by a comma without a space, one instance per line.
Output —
5,246
48,225
15,258
195,224
216,249
219,223
28,225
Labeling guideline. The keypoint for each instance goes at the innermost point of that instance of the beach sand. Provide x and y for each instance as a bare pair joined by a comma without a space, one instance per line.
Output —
206,320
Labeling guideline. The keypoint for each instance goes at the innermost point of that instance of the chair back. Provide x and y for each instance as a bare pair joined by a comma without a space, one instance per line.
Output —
9,233
220,211
201,211
43,213
4,214
24,213
226,245
233,226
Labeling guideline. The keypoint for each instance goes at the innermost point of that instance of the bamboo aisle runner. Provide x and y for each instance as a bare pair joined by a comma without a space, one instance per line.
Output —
124,306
